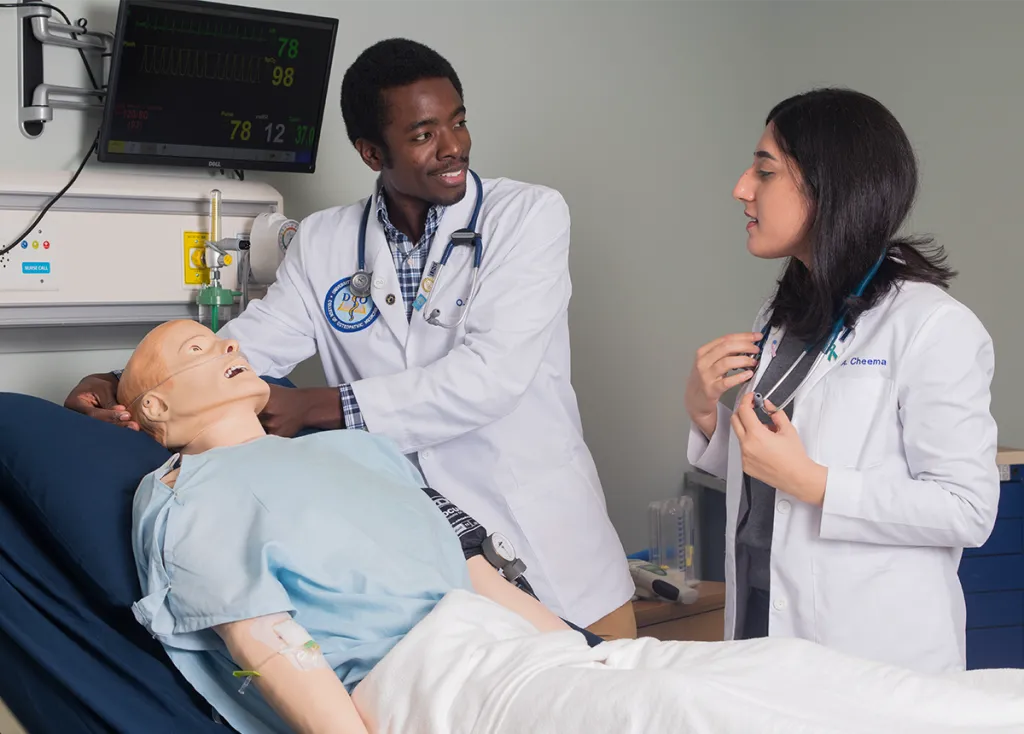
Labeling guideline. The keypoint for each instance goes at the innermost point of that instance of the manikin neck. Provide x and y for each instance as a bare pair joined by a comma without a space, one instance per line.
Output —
231,428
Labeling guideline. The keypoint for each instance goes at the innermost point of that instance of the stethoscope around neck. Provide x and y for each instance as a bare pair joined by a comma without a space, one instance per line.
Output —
359,285
828,349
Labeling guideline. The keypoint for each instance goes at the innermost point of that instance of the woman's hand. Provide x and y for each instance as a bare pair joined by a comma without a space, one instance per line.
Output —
708,381
775,454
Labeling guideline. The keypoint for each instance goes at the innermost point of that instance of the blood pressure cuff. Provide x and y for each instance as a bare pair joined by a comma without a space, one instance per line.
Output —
471,533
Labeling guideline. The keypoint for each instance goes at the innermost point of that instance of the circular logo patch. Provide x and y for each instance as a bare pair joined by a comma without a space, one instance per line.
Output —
345,312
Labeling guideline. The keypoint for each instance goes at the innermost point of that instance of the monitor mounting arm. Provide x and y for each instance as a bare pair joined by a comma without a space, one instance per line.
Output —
37,100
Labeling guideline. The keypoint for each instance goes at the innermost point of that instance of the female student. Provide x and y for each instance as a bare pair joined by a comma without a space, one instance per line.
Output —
860,454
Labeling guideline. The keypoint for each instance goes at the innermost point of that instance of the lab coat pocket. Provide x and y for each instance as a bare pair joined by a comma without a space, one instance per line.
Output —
859,421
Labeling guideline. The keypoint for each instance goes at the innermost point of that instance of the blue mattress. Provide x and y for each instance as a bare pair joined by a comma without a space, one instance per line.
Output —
71,665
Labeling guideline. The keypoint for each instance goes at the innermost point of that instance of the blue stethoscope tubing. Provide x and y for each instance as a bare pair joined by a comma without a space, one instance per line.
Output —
359,285
759,398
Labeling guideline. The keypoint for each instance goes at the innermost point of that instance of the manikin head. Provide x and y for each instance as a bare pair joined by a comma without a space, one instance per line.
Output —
192,391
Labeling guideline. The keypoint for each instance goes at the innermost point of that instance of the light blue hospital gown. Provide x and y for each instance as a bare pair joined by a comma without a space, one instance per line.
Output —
332,527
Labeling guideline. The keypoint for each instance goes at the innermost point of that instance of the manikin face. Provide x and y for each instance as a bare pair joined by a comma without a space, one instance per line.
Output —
778,211
194,379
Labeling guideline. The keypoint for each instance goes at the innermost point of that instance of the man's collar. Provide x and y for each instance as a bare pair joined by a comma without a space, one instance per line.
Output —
433,217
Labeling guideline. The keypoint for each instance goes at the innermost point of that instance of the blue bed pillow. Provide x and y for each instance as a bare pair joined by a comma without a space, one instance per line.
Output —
70,481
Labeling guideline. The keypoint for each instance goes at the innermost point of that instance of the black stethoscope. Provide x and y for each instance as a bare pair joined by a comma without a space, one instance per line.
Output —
829,349
359,285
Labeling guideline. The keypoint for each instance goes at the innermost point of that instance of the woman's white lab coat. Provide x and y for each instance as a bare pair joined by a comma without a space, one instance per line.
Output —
902,421
487,409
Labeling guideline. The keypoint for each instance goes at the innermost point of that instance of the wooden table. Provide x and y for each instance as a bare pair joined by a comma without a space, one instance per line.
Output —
703,620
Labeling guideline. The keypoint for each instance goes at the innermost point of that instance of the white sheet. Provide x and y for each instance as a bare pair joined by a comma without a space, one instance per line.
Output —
472,667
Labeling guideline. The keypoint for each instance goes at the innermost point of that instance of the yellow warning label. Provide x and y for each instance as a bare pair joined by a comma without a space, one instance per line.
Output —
193,246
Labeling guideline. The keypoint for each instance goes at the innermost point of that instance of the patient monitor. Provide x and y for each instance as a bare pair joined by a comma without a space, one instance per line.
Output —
121,248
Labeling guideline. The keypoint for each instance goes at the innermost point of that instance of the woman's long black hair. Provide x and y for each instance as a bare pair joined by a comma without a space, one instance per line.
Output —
860,177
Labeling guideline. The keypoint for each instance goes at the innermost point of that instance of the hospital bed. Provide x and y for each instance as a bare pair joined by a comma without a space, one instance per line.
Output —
74,658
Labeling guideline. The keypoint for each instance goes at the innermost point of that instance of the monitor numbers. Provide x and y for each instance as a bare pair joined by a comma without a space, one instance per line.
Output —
288,47
242,129
283,75
273,132
305,134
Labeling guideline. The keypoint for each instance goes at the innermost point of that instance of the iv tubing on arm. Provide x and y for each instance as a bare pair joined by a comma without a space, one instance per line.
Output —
311,700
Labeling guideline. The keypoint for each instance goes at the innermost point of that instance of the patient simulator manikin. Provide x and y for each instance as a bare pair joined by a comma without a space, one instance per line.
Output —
338,493
310,585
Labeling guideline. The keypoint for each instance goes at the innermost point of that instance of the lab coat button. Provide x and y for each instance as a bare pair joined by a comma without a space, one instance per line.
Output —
379,283
783,507
779,604
390,299
426,454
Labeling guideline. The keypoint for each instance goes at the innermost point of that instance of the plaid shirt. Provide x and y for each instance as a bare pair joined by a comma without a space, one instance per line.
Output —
410,261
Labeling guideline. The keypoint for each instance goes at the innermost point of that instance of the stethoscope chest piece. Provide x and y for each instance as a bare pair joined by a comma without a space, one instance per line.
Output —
359,286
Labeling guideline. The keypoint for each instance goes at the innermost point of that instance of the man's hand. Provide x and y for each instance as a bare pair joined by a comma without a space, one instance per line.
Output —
96,397
290,409
775,454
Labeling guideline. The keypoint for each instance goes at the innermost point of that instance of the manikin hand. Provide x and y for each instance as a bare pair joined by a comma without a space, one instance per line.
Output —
290,409
775,454
96,397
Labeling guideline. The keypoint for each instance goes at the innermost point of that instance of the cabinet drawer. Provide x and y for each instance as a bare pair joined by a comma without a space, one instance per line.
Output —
1011,499
997,647
706,627
995,609
992,573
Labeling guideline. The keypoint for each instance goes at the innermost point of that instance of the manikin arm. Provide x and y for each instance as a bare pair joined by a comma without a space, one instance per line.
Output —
306,694
488,582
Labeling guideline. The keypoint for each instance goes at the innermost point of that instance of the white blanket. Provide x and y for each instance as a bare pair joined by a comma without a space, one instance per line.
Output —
472,667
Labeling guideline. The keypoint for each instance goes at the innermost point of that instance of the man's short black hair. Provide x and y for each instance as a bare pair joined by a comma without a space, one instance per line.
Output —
394,62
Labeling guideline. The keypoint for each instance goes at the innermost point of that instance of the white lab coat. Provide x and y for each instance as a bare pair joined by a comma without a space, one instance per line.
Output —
486,409
902,421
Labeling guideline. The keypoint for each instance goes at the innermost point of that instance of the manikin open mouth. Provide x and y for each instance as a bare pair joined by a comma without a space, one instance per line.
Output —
235,370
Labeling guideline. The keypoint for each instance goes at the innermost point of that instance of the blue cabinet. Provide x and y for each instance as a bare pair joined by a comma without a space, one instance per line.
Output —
993,581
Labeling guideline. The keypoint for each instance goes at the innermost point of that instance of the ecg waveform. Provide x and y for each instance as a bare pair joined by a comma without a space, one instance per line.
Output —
202,27
195,64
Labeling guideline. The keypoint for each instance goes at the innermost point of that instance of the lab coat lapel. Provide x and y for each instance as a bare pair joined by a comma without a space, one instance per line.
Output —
825,365
384,282
767,355
457,273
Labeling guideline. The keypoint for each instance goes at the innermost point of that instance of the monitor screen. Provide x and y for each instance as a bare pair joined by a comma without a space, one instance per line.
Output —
217,86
